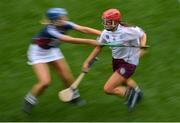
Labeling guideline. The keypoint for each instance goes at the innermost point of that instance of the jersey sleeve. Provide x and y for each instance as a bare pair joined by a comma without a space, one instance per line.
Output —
102,38
131,33
54,32
70,25
140,32
137,31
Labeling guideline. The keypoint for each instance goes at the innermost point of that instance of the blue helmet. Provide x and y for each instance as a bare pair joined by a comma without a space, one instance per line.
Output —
55,13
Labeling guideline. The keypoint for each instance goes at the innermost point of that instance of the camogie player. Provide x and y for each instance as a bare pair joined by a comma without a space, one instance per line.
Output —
44,50
124,59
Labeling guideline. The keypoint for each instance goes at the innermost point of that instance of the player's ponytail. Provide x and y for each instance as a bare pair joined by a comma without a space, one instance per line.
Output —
124,24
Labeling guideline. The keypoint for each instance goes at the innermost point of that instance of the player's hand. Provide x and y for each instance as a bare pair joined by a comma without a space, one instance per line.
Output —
142,52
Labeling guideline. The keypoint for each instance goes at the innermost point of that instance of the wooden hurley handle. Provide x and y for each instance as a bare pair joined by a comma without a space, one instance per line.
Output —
78,80
81,76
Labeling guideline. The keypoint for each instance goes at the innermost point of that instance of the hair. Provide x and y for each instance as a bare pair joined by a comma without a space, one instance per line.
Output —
45,21
124,23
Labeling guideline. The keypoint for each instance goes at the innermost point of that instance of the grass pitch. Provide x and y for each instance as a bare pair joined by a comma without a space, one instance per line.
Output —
158,72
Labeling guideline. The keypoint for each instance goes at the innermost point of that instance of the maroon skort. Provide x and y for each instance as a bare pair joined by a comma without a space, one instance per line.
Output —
123,68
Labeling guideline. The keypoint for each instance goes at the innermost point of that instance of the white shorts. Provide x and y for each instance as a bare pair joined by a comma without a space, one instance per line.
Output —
37,54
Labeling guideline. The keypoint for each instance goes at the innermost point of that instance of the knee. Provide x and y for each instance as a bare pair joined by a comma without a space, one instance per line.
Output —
107,89
45,83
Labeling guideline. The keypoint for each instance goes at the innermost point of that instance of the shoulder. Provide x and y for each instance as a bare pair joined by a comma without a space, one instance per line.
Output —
53,31
105,33
132,29
136,28
50,27
46,30
136,31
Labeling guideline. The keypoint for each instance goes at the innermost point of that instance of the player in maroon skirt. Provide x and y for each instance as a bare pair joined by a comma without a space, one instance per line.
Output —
124,59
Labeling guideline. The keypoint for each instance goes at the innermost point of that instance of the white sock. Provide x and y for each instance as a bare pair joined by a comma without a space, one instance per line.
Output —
31,99
137,89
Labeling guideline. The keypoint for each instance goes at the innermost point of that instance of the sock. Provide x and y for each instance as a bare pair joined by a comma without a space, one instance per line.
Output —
31,99
137,89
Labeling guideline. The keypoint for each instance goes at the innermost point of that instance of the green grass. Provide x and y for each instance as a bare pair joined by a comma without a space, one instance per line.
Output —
157,74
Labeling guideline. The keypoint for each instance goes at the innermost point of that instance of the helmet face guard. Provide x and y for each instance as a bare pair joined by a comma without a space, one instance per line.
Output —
110,24
111,19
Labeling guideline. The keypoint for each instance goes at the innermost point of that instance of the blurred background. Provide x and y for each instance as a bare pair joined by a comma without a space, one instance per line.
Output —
158,73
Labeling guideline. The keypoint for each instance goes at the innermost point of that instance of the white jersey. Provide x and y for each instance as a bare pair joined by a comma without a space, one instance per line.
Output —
124,36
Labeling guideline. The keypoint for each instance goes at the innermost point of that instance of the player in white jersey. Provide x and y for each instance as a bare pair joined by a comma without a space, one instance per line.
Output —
44,50
124,59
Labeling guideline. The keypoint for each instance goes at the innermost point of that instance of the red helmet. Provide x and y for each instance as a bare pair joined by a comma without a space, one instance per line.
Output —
111,19
112,14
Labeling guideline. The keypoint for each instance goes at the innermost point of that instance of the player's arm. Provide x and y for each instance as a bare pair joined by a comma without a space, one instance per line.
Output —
70,39
92,55
87,30
143,40
54,32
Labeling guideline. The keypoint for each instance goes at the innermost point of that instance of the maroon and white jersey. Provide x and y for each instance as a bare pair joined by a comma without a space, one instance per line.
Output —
125,36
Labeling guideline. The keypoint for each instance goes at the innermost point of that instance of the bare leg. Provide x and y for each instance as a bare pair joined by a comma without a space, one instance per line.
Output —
133,95
113,85
64,72
42,73
131,83
43,76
